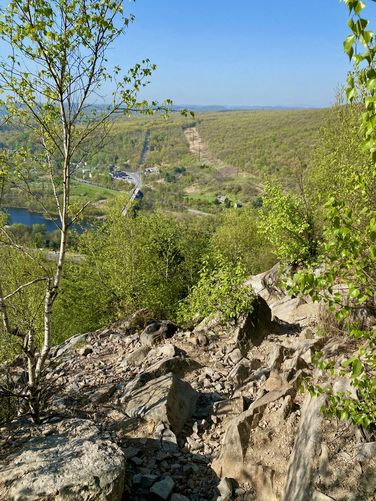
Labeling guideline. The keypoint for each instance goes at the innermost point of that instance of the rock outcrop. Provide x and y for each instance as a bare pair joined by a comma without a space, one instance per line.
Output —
212,414
67,461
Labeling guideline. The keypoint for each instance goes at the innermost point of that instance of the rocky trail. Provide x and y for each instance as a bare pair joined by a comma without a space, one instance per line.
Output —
142,410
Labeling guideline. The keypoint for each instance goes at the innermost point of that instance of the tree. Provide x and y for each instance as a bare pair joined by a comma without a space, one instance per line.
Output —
286,221
148,261
55,68
237,239
348,250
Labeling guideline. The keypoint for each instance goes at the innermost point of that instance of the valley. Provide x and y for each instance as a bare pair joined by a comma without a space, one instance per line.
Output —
194,161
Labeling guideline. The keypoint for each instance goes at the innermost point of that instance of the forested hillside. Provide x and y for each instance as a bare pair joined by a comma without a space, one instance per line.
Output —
239,150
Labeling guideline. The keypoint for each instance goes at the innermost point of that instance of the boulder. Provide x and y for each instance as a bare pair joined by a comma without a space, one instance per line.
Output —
69,345
69,461
229,408
157,332
134,322
242,371
177,365
235,356
136,357
225,489
166,400
167,350
103,393
254,326
290,311
163,488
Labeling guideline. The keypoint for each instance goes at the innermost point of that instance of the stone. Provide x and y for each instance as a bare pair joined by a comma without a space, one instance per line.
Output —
144,481
73,462
235,356
254,326
229,408
299,311
85,351
242,370
157,332
136,357
68,345
167,350
201,339
177,365
130,452
261,477
365,452
103,393
163,488
179,497
166,399
168,440
225,489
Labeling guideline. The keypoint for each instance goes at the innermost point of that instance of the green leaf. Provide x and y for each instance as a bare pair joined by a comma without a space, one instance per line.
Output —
357,368
348,45
359,7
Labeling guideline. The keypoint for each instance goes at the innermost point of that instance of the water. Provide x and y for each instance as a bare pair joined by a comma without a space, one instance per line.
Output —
24,216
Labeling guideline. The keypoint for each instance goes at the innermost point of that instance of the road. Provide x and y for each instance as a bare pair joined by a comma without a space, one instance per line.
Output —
136,177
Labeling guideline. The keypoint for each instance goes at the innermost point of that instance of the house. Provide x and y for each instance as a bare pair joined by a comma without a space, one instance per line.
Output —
151,170
222,200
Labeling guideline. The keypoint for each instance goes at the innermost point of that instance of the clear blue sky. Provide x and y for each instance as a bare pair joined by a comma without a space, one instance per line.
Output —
240,52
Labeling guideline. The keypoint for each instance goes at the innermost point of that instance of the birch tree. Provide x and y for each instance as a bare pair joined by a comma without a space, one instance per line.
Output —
54,74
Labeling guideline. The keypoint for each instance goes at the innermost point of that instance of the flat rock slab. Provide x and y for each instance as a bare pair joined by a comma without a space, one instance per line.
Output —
304,457
166,399
69,461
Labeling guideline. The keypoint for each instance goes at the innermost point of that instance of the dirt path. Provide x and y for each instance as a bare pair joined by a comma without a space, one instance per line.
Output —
199,148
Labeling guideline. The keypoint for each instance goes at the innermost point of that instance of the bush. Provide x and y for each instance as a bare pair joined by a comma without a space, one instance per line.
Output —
219,290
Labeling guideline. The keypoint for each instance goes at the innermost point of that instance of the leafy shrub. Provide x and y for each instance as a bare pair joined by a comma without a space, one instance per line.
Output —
219,290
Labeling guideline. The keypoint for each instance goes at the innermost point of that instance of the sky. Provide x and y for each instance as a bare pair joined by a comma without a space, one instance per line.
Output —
240,52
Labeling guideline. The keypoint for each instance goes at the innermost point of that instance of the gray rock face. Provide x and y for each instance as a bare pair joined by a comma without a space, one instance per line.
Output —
166,400
73,462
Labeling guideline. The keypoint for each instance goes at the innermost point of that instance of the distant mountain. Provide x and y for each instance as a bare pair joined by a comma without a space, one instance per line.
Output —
219,107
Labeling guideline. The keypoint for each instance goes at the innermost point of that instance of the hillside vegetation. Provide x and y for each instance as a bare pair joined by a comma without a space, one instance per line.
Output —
237,151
